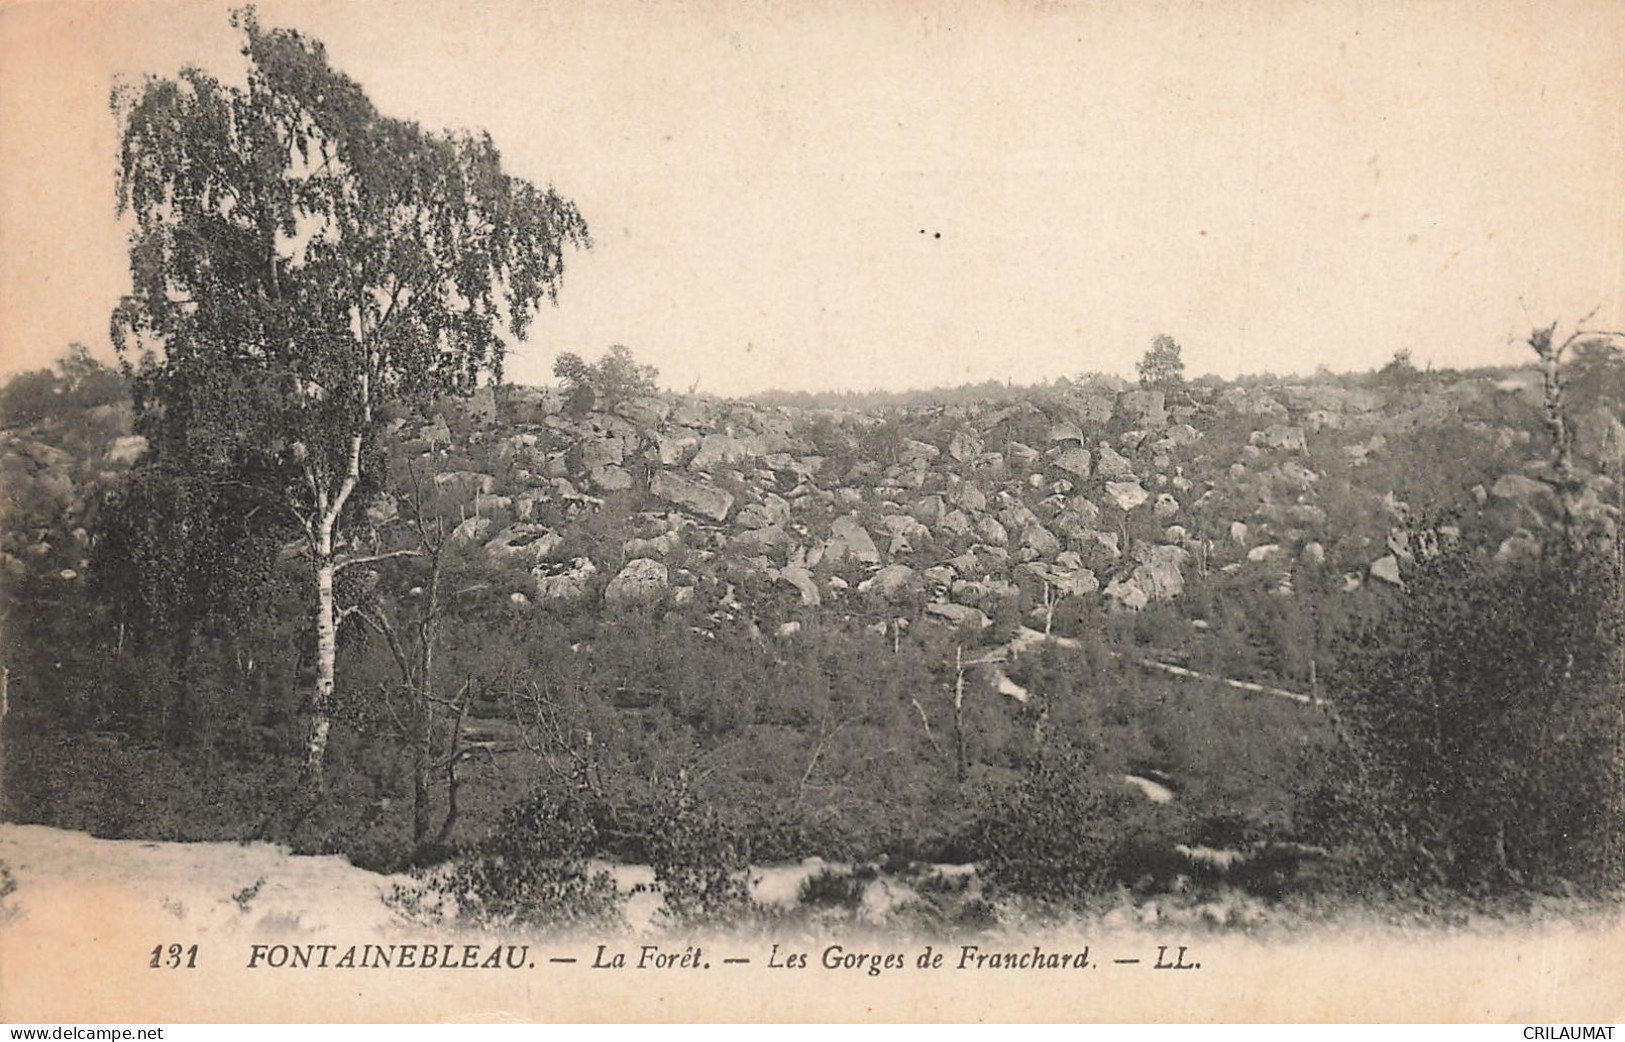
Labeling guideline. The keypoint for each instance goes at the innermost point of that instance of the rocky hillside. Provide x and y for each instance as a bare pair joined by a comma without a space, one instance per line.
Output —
1116,495
1120,495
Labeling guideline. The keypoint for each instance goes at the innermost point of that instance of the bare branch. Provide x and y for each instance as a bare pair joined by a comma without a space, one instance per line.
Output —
348,562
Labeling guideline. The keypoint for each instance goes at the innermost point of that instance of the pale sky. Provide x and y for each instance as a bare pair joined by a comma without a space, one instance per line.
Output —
1277,185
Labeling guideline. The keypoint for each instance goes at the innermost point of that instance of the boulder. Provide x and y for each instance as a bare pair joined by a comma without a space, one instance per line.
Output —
692,412
1182,434
773,537
673,449
1065,430
126,450
1041,540
598,451
533,404
987,594
772,510
907,534
524,504
964,446
645,412
892,582
989,530
913,451
802,580
567,585
642,579
1074,461
958,614
704,499
1016,413
1159,572
1016,515
610,478
469,483
1126,494
1099,547
1113,465
1092,407
848,538
471,530
967,497
436,433
929,510
1073,581
716,450
1519,487
523,543
1251,401
1294,475
1127,594
1080,512
1279,437
1519,546
1022,453
1307,514
1598,435
1386,569
1142,407
654,546
481,406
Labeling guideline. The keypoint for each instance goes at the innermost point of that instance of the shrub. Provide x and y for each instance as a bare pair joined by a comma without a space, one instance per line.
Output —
1478,727
1054,834
832,889
700,861
530,874
614,378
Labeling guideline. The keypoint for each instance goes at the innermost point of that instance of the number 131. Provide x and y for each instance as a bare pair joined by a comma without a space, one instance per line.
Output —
173,957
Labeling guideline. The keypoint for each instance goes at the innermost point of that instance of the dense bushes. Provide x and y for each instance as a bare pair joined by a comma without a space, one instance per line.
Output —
613,379
1480,718
532,873
700,860
1055,834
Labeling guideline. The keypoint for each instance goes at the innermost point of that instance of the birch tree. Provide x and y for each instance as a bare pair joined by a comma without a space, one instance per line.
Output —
299,260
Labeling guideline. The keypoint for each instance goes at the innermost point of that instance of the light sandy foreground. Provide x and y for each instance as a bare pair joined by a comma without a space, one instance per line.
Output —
79,933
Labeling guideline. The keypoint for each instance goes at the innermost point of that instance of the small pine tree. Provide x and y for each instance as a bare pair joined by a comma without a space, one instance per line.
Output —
1162,366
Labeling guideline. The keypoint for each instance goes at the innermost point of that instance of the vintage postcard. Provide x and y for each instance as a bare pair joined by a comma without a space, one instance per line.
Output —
764,512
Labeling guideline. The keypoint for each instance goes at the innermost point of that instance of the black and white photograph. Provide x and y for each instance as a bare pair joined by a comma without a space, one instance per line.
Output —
729,511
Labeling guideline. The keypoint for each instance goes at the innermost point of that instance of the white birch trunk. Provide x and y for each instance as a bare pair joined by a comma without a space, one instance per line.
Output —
326,609
326,654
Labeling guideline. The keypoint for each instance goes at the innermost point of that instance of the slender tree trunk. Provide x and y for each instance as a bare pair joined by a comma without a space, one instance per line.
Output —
453,782
326,656
420,781
423,738
423,742
959,714
328,513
